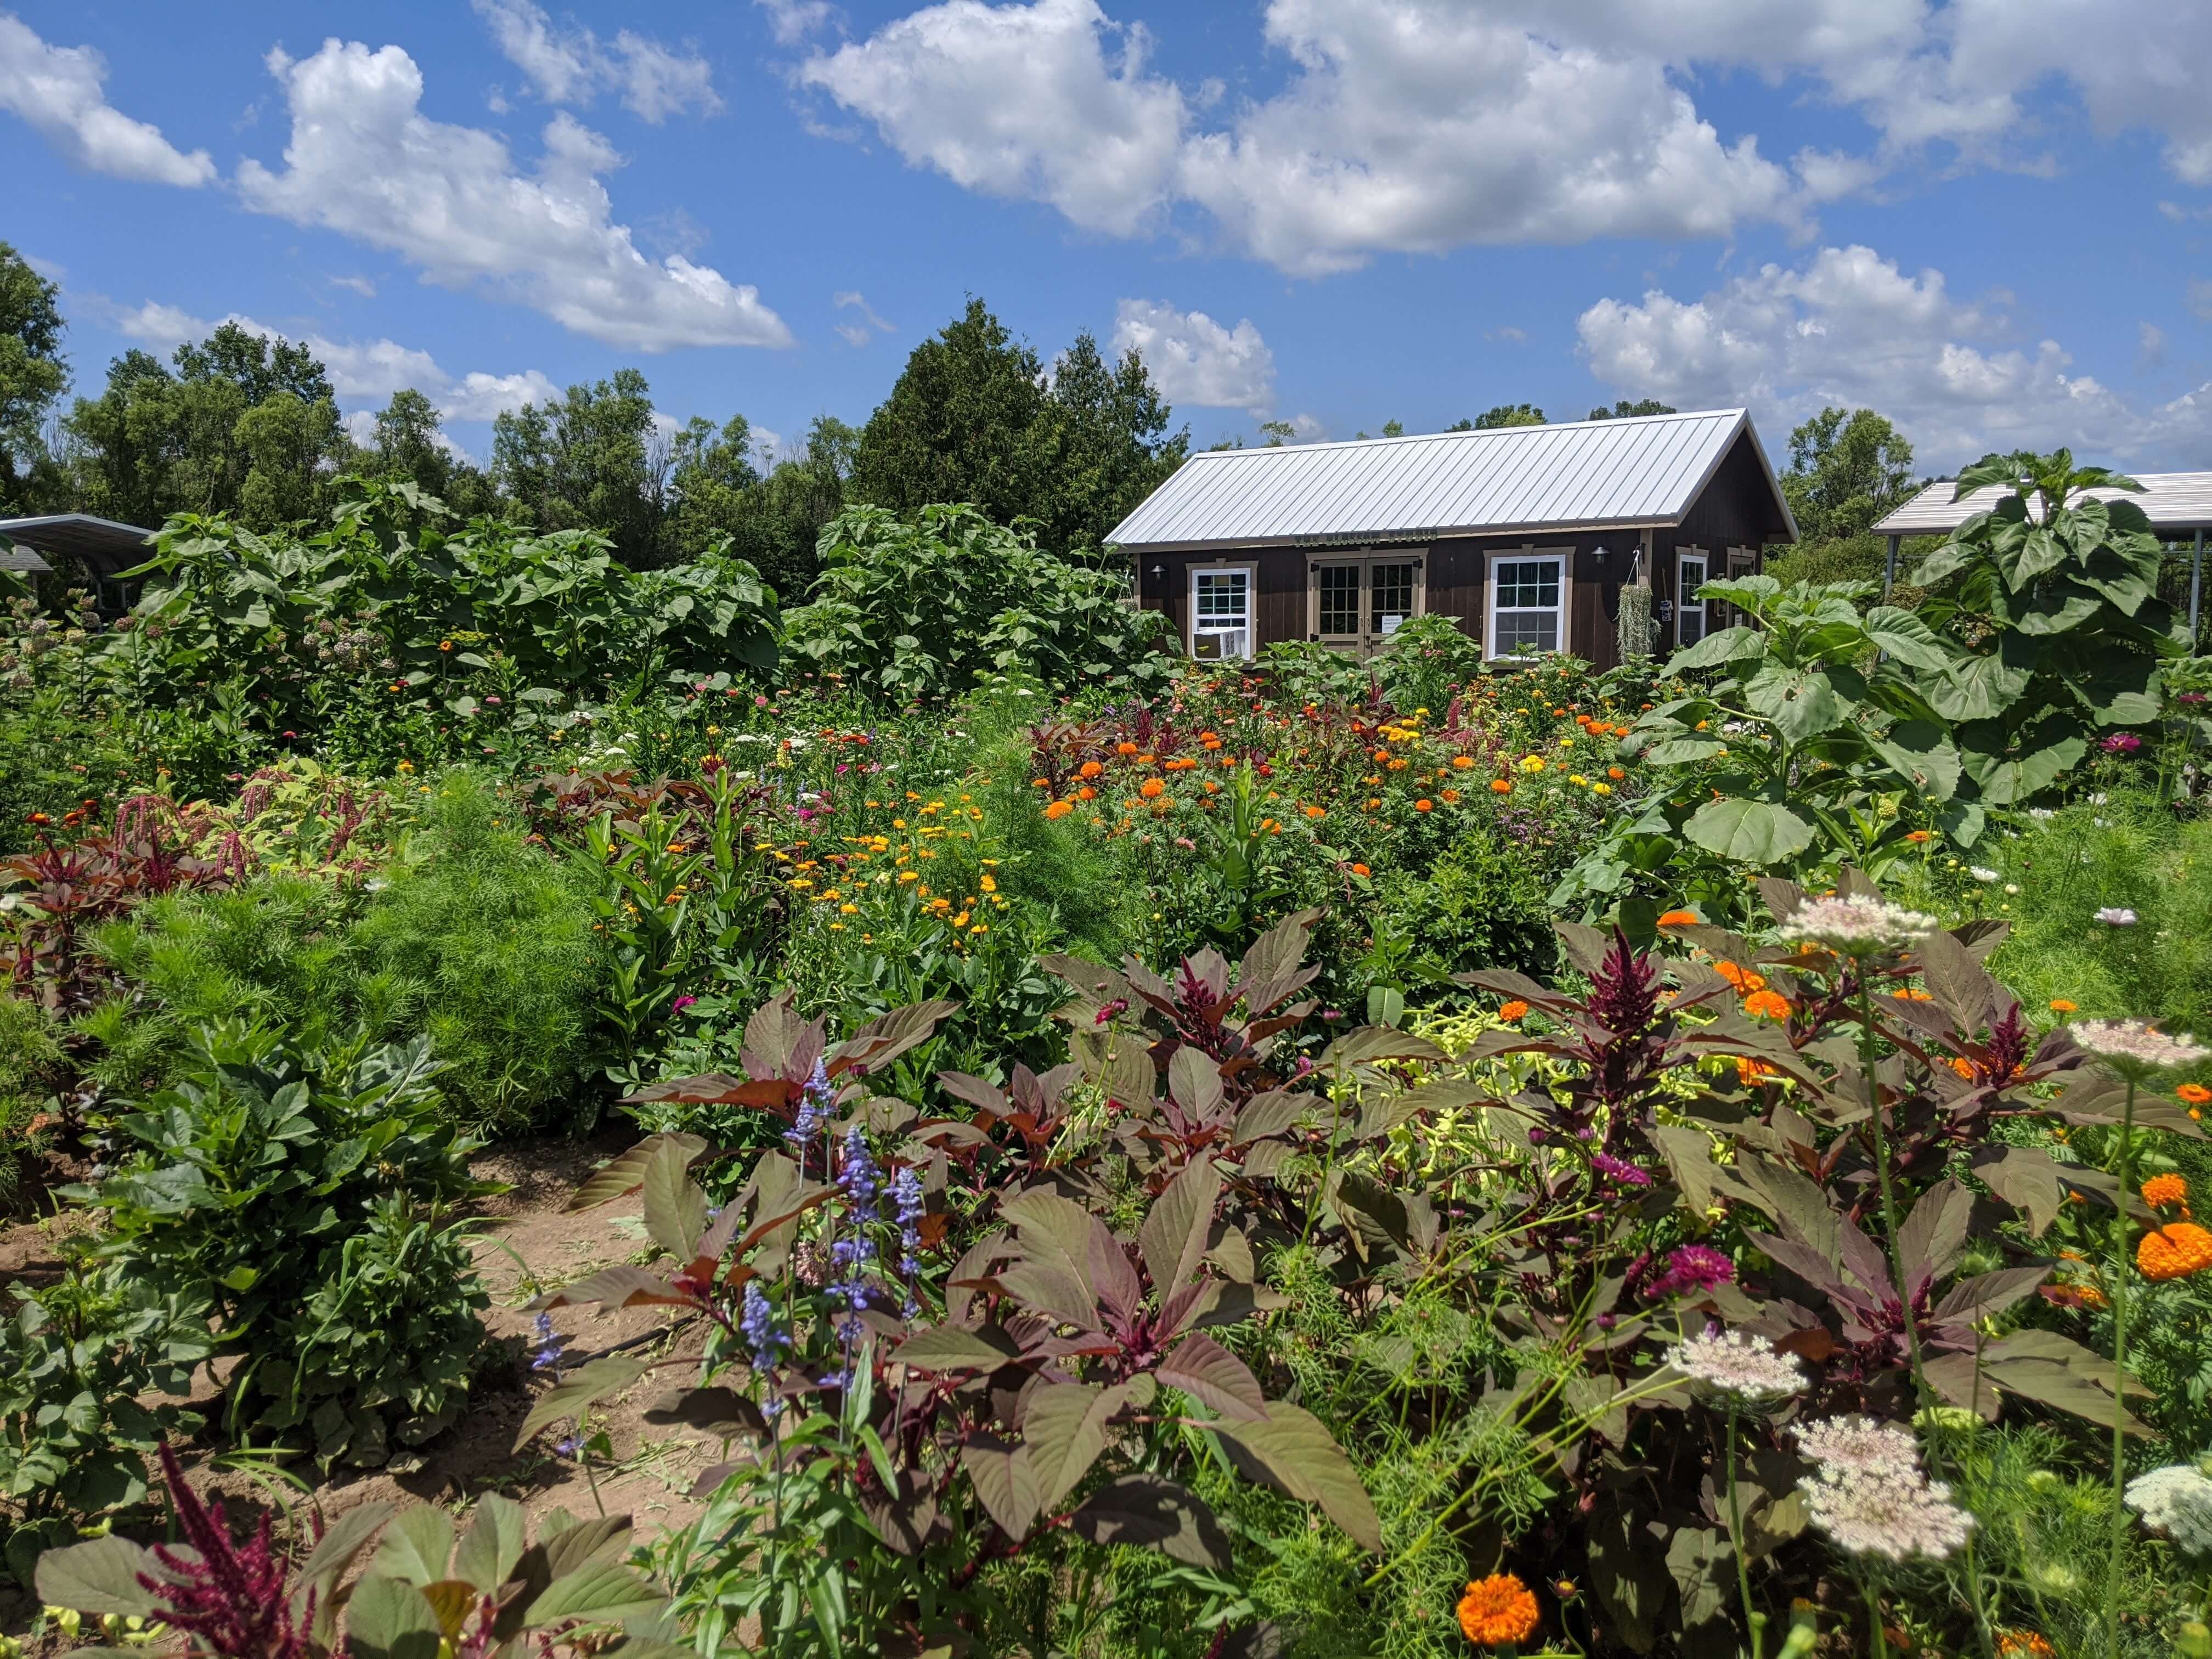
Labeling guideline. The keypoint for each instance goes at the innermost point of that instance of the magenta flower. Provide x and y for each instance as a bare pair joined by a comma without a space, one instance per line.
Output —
1614,1169
2122,743
1693,1267
681,1004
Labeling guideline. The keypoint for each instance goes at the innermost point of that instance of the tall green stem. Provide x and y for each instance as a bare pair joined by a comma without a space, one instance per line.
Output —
2119,1300
1867,1059
1754,1623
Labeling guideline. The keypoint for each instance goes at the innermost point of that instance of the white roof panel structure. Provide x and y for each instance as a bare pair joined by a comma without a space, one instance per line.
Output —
1578,475
2171,501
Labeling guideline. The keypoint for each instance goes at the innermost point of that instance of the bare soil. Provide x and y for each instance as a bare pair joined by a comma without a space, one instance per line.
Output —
526,1244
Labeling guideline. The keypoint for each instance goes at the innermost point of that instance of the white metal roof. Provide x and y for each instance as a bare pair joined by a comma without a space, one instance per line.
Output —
1578,475
2171,501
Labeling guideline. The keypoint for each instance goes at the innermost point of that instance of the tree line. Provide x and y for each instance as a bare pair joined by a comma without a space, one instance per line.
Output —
248,425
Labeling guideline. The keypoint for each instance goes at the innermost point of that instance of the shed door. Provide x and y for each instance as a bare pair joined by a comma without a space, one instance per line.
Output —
1355,606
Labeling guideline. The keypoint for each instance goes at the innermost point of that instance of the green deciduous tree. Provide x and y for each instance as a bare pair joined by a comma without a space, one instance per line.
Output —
1500,415
1847,469
243,424
33,375
592,461
1624,410
409,444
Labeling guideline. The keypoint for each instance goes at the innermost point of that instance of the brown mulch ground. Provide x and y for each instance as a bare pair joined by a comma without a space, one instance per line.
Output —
526,1244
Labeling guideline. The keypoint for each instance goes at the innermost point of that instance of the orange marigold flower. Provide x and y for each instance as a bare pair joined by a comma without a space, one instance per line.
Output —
1060,809
1917,835
1087,794
1151,789
1745,980
1767,1005
2060,1006
1962,1065
1359,870
1425,805
1125,747
1679,919
1499,787
1035,783
1090,769
1462,762
1373,802
2164,1189
2195,1093
1316,811
1450,797
1749,1071
2174,1251
1497,1611
1616,773
2024,1644
1513,1012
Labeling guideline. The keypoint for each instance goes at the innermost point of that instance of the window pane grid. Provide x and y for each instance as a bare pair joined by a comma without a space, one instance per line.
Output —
1391,588
1526,598
1339,599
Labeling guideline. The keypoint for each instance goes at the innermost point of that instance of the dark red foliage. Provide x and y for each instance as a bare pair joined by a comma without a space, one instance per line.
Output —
235,1599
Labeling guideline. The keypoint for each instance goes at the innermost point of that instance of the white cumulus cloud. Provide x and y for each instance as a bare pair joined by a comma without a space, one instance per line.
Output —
1847,326
1421,126
573,65
364,160
1194,359
59,91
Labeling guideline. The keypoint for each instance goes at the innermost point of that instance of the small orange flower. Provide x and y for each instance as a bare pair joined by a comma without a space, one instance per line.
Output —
1749,1071
1918,835
1499,787
1035,783
1450,797
1087,794
1462,762
1767,1005
2164,1189
1744,979
1962,1065
1372,803
1125,747
1151,789
1090,769
2060,1006
1316,812
1910,994
2174,1251
1616,773
1060,809
1425,805
2024,1644
1359,870
1513,1012
2196,1094
1679,919
1498,1611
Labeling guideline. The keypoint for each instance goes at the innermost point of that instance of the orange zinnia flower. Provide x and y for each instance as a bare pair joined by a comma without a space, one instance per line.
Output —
2060,1006
1087,794
1316,812
1151,789
1962,1065
1679,919
1497,1612
1513,1012
2164,1189
2195,1093
2174,1251
1359,870
1744,979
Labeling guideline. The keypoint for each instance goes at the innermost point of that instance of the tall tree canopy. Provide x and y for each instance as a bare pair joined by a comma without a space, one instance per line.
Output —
592,461
1624,410
33,377
973,417
1500,415
244,423
1847,470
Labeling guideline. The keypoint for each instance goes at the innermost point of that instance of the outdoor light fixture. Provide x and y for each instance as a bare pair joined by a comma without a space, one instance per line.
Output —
1159,573
1597,556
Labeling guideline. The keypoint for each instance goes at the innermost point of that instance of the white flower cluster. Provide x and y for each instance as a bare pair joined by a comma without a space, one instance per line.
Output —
2176,1500
1737,1363
2132,1040
1869,1494
1855,924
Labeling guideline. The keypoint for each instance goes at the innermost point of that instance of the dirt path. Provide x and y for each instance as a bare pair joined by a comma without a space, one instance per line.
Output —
527,1245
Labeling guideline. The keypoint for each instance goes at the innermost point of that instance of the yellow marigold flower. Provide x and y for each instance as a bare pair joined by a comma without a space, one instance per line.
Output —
1499,1611
1532,762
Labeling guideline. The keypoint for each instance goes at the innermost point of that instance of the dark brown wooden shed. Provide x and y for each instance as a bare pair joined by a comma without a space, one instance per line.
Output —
1523,535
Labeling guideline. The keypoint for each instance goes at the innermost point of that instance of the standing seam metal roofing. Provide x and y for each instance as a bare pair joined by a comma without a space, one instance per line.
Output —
1643,469
2171,501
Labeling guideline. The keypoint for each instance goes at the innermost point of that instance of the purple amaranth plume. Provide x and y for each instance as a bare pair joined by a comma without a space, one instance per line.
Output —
1624,992
234,1599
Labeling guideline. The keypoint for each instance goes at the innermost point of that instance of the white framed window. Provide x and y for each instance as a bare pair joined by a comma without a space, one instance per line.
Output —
1527,603
1221,611
1691,572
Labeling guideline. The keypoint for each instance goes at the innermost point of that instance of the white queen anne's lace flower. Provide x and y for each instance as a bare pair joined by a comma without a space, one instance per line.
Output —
1869,1494
1861,1445
2131,1040
2176,1500
1855,924
1738,1363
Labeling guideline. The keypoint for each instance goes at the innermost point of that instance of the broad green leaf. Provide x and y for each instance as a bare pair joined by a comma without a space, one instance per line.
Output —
1684,751
100,1578
575,1393
1801,701
388,1619
1293,1451
1753,832
493,1544
418,1546
1906,638
1005,1481
600,1593
1715,649
943,1347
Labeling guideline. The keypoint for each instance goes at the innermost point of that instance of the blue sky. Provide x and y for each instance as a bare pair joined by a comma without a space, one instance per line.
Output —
1990,219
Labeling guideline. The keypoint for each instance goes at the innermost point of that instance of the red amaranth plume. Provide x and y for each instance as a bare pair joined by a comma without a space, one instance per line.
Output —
1624,992
236,1601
